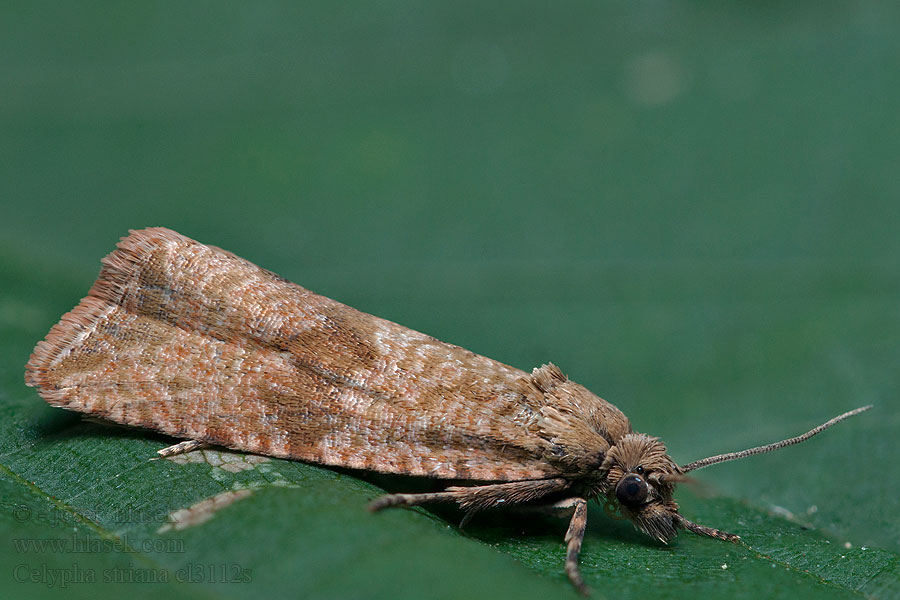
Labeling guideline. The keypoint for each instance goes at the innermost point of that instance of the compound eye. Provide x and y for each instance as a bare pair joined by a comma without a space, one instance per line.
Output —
632,490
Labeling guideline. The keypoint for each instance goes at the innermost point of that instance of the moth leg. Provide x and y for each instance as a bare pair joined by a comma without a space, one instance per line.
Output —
390,500
561,508
490,496
707,531
574,537
181,448
475,498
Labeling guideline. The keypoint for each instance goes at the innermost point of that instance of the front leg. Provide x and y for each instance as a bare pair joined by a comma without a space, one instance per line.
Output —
707,531
574,537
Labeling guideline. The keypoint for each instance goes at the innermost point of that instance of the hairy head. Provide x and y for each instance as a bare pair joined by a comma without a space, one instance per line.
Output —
640,480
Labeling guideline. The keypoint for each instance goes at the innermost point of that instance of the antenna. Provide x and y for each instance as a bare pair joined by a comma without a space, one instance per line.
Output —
712,460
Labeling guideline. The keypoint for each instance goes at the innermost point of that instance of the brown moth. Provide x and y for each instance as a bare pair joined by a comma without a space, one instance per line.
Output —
197,343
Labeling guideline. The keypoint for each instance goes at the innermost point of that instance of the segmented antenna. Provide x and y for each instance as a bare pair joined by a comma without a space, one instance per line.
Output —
712,460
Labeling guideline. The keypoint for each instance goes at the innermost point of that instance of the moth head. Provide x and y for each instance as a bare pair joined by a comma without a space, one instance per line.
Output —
640,480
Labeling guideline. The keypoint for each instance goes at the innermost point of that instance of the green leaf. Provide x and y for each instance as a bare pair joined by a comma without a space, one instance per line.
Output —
303,530
692,210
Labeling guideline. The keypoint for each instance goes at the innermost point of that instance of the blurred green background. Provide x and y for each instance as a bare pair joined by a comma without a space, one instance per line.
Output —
692,209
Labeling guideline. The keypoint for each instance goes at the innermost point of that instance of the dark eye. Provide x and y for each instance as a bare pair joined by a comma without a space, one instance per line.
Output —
639,470
632,490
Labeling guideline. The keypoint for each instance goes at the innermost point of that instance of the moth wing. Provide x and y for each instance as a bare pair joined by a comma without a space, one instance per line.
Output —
197,343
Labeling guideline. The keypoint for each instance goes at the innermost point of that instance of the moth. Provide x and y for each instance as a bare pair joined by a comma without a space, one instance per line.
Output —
194,342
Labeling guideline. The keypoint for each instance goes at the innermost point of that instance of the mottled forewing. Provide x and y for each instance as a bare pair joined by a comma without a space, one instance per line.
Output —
192,341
